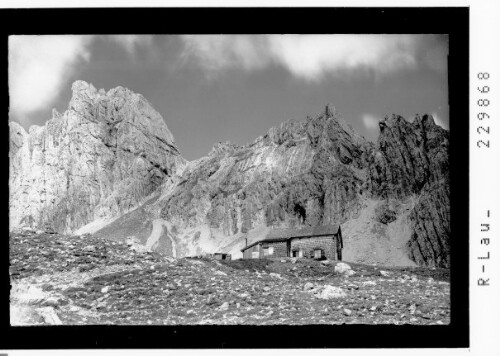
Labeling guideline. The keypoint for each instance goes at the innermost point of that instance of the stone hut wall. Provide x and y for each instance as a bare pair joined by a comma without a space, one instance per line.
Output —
279,249
309,244
247,254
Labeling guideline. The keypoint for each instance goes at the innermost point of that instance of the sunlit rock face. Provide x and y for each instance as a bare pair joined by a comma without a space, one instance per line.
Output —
100,158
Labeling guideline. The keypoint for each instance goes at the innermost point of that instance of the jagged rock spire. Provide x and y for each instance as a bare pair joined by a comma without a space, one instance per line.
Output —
330,110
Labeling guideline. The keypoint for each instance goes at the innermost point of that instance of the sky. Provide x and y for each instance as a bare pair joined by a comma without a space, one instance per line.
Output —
218,88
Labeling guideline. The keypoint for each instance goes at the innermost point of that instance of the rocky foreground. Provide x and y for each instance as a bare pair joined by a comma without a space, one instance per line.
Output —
74,280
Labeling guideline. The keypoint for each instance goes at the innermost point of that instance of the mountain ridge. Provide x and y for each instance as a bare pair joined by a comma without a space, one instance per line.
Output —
310,172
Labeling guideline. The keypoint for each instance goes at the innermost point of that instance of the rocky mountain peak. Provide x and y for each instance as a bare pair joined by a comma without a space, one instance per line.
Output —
80,86
425,120
98,159
83,97
330,110
322,129
422,123
223,148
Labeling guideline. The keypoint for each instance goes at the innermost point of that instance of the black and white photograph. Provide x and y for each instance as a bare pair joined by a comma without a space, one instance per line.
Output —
229,179
233,182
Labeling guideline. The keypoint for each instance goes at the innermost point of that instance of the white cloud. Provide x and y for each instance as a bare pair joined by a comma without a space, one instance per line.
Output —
39,66
306,56
310,57
439,121
215,53
131,42
370,121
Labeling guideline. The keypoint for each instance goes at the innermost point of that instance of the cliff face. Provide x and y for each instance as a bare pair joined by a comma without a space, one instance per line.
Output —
109,151
97,160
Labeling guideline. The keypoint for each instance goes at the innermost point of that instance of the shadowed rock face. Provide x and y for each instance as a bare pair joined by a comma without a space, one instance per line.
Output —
98,159
109,151
430,220
412,159
409,156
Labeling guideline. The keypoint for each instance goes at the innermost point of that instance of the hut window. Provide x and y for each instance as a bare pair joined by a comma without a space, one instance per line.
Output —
319,253
268,251
297,253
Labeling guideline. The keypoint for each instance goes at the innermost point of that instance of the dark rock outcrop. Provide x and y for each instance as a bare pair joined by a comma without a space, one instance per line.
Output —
412,160
409,155
386,212
430,219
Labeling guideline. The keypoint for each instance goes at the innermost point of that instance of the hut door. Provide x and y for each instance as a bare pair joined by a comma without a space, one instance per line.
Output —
288,248
339,249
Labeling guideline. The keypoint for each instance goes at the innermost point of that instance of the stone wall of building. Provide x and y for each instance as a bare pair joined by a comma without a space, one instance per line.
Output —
279,247
309,244
328,244
247,254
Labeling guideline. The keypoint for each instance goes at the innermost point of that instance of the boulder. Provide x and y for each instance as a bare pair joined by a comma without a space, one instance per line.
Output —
331,292
50,302
385,213
308,286
385,273
49,316
342,268
347,312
